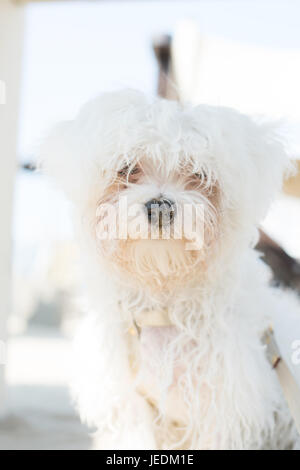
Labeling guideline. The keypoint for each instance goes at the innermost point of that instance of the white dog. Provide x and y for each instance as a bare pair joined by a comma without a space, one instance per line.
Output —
171,356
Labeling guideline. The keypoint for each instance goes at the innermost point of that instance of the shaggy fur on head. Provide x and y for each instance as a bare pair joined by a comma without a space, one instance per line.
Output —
202,381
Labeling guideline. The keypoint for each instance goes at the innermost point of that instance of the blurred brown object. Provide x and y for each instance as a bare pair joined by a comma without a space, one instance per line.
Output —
286,270
162,50
292,185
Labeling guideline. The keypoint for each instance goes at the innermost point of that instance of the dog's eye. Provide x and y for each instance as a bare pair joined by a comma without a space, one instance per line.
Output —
130,173
123,172
201,176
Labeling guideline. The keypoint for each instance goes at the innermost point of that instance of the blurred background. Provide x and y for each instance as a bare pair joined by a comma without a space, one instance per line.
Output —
54,56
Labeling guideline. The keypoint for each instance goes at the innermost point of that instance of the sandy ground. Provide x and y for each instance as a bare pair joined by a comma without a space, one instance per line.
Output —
40,414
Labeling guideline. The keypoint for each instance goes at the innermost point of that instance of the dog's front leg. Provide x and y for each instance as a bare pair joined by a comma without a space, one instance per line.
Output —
104,391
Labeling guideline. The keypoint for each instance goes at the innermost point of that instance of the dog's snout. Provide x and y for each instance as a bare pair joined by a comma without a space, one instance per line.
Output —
160,210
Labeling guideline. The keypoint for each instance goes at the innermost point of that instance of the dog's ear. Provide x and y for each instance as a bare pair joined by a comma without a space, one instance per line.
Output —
252,160
64,157
76,153
249,157
270,164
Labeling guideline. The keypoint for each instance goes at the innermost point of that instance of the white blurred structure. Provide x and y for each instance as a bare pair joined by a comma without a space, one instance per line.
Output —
11,35
251,78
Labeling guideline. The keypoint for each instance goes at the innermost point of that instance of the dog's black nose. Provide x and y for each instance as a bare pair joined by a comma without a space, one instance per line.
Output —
160,211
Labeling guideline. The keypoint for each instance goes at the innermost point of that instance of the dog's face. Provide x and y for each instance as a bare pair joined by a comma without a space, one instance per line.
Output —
157,219
162,188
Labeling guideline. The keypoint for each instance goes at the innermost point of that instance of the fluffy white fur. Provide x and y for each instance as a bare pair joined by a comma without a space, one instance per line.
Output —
204,382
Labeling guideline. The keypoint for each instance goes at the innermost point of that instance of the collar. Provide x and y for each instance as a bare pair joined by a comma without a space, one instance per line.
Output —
149,318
